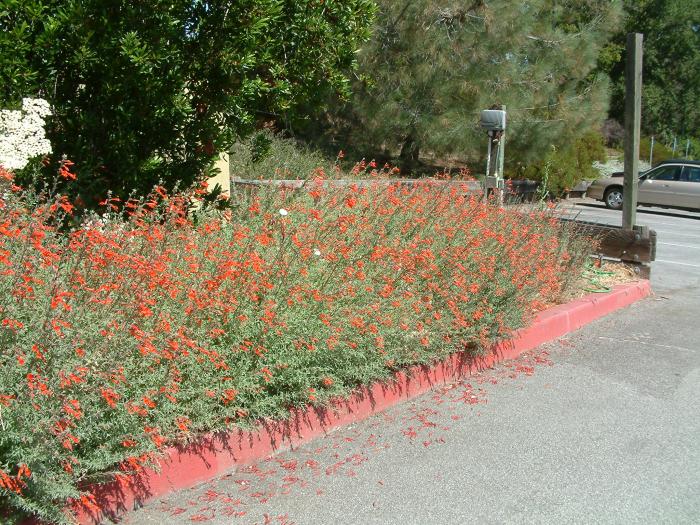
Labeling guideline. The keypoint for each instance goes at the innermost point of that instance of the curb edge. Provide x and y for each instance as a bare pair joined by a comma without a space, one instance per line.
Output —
214,454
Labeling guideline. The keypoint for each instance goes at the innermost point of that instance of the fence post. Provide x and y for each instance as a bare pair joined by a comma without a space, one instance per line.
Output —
633,117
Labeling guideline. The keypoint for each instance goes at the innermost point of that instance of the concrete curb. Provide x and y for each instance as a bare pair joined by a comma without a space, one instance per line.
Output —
215,454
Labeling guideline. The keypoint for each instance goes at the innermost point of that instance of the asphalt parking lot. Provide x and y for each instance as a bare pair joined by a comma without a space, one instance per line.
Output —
677,262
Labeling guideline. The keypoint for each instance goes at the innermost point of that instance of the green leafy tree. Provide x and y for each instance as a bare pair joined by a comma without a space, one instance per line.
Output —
432,65
671,75
149,90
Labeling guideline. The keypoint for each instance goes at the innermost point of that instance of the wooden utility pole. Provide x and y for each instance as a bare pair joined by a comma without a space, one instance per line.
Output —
633,117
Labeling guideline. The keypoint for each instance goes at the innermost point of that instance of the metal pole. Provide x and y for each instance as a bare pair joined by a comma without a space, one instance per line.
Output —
675,145
501,161
633,117
488,169
687,147
651,151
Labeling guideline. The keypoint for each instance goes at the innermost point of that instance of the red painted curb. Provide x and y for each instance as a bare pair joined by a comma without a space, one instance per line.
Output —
214,454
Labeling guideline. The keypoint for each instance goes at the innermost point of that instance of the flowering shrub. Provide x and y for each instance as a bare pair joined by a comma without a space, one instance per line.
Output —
147,325
22,133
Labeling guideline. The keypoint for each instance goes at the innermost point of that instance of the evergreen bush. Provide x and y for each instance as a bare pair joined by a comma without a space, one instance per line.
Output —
270,155
129,331
661,151
150,93
562,169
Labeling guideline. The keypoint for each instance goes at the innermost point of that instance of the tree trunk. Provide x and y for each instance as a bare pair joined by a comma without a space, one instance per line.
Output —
410,151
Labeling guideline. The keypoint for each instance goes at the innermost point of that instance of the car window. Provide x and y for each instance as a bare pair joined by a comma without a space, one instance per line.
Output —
664,173
691,174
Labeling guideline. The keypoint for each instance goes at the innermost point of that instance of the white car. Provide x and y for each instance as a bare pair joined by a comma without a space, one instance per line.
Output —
671,184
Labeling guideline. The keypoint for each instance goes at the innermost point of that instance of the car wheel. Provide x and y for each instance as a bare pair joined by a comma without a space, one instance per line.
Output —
613,198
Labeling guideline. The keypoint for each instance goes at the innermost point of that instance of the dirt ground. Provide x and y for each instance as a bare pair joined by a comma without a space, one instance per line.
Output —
600,279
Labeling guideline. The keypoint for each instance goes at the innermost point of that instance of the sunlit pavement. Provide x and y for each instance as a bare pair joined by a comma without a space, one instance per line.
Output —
602,426
677,264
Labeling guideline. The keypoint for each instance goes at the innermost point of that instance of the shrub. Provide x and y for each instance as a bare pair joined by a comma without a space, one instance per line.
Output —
143,93
22,134
143,327
661,151
562,169
269,155
694,151
613,133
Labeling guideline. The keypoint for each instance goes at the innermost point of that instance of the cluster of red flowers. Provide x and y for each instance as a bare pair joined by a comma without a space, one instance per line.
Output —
126,331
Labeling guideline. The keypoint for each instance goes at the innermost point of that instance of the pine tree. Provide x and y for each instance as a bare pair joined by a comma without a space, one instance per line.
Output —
432,65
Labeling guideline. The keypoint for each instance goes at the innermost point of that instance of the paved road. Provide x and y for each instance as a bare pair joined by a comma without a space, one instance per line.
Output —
677,262
602,426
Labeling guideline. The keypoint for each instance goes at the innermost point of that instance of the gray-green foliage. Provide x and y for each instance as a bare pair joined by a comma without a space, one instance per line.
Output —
149,90
562,168
268,155
432,65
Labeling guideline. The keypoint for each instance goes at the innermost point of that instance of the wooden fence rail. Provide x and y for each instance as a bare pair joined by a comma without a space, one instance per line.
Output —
636,247
469,186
